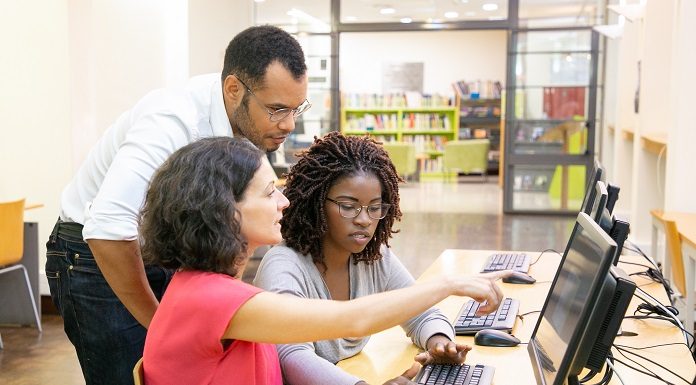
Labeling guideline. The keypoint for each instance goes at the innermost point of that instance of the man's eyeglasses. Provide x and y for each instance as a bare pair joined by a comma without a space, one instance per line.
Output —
351,210
281,113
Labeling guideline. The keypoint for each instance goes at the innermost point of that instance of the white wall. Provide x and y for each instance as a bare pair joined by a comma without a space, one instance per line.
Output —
212,24
663,42
681,157
448,56
36,144
70,67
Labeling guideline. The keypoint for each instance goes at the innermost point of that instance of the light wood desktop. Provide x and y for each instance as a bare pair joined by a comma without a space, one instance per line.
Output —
389,353
686,226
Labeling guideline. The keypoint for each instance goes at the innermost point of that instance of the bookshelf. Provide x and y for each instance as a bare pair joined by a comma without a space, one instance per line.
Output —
427,121
479,119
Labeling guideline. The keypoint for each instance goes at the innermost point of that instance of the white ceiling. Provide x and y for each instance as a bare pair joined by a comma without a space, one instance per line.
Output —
368,11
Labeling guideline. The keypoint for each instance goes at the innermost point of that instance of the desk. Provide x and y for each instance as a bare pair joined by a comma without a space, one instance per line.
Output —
390,352
686,226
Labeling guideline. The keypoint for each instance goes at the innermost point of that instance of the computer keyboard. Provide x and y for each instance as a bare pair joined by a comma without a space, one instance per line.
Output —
507,261
502,319
440,374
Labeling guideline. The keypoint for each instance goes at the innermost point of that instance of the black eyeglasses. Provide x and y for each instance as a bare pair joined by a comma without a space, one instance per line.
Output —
281,113
351,210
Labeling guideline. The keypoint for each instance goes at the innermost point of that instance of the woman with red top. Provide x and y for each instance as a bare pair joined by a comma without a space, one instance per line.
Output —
207,208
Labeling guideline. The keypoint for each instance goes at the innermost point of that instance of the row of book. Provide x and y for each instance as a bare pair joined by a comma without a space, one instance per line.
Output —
426,143
396,100
410,121
430,165
488,111
478,89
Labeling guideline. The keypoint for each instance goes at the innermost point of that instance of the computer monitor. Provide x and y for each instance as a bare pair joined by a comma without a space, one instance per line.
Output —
595,176
600,202
580,297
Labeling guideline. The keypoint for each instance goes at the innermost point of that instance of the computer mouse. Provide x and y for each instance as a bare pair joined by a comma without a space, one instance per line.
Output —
519,277
492,337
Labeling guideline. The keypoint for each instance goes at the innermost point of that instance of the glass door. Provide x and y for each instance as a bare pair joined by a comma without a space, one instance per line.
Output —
550,118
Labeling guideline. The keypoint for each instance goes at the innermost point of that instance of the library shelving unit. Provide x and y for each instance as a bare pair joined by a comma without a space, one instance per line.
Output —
480,119
429,125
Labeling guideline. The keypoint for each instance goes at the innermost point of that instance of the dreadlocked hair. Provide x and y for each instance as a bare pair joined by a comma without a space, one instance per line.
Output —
329,159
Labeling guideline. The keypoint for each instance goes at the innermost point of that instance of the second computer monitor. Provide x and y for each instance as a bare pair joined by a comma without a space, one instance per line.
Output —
570,302
595,176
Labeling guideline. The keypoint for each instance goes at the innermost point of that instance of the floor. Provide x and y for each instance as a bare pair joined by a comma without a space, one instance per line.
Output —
436,216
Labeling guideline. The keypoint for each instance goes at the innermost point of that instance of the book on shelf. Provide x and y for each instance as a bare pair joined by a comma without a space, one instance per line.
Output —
396,100
486,89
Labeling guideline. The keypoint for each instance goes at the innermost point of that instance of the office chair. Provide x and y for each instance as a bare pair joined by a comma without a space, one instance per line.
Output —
403,155
467,156
11,252
138,374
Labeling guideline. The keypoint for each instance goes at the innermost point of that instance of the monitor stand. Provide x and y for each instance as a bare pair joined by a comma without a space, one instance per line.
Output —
573,380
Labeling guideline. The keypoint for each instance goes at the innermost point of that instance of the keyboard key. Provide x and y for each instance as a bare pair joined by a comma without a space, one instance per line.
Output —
502,319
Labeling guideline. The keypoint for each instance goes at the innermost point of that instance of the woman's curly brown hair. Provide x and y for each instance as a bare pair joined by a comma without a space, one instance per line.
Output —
329,159
189,218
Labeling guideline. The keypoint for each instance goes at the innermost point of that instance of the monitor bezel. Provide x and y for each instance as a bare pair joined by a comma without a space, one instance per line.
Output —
601,195
596,175
600,237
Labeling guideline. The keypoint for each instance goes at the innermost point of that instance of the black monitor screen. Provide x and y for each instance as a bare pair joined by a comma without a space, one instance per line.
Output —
569,304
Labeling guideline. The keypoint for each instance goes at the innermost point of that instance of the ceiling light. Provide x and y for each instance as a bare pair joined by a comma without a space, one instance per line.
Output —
351,18
437,21
490,7
470,13
406,20
451,15
387,11
259,1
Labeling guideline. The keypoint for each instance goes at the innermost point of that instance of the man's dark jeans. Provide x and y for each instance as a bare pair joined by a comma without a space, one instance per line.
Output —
107,338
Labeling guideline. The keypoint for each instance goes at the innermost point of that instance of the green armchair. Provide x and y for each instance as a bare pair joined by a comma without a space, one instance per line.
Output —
403,155
466,156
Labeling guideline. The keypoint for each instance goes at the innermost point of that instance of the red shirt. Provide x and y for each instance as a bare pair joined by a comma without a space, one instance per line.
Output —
183,344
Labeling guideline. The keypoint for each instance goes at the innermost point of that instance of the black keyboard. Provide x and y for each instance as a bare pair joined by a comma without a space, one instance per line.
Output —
440,374
502,319
507,261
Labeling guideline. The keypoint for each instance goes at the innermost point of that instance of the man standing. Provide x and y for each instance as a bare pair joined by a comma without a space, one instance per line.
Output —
98,282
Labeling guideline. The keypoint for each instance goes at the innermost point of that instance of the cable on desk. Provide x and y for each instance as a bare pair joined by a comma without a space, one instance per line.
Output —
670,320
614,370
542,253
650,346
608,373
657,272
642,372
666,313
622,351
652,273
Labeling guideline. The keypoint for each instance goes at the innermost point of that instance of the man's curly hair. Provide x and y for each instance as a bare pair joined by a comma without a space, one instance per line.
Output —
329,159
189,218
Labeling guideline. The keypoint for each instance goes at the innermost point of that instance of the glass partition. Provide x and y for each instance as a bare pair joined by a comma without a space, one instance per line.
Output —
550,137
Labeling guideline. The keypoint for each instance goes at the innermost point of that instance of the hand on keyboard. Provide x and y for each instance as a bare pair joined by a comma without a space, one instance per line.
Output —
443,351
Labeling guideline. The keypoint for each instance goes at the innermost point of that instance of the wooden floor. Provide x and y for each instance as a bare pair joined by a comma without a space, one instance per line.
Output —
463,216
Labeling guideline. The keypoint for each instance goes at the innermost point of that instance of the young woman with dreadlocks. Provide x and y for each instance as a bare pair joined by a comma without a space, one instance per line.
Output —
344,199
208,207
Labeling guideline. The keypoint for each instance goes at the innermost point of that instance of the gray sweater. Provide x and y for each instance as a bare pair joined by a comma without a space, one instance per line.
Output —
283,270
